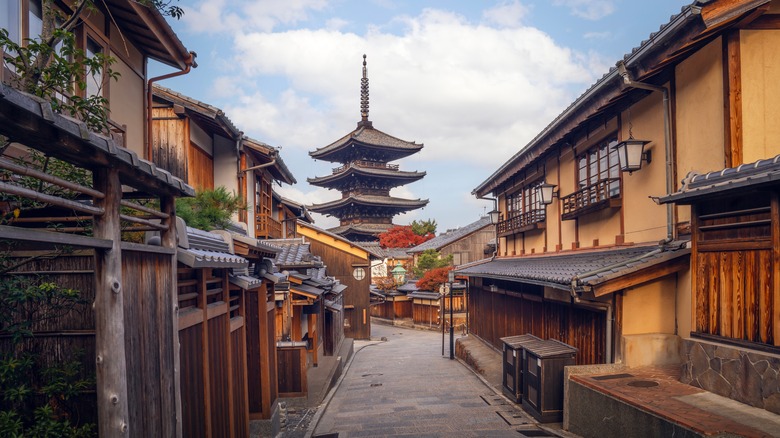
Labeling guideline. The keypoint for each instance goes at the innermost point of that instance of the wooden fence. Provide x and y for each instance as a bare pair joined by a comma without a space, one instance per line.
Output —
128,328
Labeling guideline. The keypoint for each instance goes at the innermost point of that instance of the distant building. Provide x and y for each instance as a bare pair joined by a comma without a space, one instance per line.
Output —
365,178
466,244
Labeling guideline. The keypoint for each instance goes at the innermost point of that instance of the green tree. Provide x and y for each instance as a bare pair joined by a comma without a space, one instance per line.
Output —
424,228
431,259
209,209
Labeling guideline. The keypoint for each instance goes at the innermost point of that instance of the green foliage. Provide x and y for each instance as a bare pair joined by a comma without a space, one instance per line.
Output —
56,70
38,399
423,228
430,259
209,209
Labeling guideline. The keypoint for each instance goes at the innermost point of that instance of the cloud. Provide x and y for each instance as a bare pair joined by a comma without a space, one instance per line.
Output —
507,14
597,35
588,9
214,16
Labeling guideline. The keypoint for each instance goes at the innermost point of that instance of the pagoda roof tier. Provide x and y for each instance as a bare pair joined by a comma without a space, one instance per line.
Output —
367,171
358,231
389,204
363,142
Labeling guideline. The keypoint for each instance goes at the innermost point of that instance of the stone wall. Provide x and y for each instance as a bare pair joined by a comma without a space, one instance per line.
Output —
743,375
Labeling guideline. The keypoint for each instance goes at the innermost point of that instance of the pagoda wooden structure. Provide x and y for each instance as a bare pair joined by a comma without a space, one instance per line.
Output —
365,177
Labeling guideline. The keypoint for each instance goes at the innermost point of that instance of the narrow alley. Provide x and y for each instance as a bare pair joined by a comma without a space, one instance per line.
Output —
405,387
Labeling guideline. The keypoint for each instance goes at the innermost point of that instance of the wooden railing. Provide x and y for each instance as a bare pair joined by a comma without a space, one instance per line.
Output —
519,222
268,227
367,164
605,193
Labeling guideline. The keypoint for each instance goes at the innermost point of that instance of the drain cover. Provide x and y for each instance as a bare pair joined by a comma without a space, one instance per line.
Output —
533,432
642,383
375,384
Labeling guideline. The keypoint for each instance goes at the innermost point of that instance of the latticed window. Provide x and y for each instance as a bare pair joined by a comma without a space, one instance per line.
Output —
600,163
524,210
598,179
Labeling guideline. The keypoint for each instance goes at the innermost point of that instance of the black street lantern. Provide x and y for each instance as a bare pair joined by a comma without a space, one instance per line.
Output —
631,153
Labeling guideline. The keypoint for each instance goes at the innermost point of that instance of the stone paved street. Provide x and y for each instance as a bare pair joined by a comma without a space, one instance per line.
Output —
404,387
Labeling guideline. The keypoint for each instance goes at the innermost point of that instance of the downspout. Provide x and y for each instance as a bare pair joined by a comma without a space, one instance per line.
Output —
668,146
189,65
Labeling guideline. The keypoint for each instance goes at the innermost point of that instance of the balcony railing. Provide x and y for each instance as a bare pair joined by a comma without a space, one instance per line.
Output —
604,194
365,164
520,222
268,227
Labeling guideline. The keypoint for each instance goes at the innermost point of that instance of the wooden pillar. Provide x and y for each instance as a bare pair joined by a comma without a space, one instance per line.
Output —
168,240
313,336
110,359
204,327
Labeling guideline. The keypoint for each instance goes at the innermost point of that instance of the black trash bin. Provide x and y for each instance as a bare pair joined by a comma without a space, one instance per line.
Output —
543,379
512,380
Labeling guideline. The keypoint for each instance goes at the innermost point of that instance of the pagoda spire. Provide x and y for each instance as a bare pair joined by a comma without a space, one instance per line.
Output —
364,97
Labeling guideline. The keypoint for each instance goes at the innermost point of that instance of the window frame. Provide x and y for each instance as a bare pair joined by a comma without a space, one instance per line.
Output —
524,210
598,179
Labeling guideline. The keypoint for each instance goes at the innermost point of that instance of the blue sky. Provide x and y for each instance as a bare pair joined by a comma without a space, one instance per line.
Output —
473,81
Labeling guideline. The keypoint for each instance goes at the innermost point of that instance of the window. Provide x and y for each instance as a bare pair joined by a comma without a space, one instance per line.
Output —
10,19
600,163
598,178
35,19
94,80
359,273
524,210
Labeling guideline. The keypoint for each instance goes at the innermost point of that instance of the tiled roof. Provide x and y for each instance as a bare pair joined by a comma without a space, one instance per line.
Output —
203,109
409,286
406,176
581,269
424,295
385,253
294,253
372,200
369,136
361,228
202,249
452,236
696,186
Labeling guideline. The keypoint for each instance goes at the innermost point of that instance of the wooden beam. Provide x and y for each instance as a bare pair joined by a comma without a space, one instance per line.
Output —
170,328
110,356
53,238
642,276
775,268
767,21
732,80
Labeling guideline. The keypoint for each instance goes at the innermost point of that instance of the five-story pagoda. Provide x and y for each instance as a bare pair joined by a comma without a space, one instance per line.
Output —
365,177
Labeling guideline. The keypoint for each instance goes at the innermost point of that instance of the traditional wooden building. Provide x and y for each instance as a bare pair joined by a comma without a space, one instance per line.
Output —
466,244
200,144
365,177
584,254
350,264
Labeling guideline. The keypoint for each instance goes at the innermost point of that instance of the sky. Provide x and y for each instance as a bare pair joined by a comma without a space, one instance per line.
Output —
473,80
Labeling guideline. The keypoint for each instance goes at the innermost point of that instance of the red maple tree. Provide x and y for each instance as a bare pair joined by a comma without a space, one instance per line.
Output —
402,236
433,278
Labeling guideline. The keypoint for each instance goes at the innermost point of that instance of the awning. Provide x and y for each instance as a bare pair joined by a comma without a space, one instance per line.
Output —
424,295
593,271
307,291
199,258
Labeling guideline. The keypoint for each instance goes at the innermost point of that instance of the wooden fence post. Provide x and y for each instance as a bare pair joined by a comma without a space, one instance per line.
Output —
110,357
169,240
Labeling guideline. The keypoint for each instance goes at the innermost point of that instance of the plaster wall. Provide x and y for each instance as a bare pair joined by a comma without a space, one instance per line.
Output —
644,220
127,102
201,138
225,166
699,121
760,94
602,225
684,303
650,308
566,186
650,349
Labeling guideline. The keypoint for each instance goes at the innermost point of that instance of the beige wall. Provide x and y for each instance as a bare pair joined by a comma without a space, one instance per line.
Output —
127,102
201,138
760,69
644,220
699,110
225,166
650,308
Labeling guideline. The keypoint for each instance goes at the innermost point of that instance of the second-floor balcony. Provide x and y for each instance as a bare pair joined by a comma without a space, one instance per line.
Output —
521,222
603,194
365,164
267,227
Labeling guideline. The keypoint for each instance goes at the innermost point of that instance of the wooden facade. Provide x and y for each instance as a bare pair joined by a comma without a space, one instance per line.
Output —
350,265
128,328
